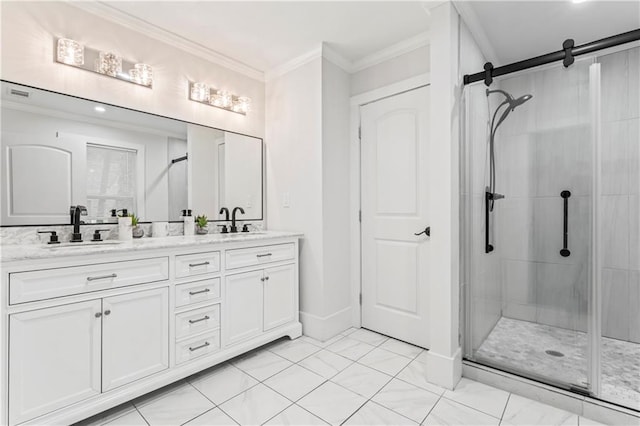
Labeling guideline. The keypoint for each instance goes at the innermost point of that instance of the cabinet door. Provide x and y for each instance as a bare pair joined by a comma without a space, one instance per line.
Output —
279,296
243,306
135,340
54,358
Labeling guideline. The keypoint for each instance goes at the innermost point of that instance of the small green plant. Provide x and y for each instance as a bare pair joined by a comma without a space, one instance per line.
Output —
134,219
202,221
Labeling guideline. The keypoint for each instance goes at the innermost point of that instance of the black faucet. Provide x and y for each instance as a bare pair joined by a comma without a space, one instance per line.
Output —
76,212
226,213
234,228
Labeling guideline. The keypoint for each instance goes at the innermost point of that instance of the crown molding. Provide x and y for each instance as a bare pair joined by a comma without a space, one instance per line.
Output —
334,57
469,17
294,63
139,25
391,52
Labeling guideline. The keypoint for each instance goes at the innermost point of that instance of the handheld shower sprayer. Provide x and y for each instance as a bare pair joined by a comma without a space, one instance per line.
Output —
511,104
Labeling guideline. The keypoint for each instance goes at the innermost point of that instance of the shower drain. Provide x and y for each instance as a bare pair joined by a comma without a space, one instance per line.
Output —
554,353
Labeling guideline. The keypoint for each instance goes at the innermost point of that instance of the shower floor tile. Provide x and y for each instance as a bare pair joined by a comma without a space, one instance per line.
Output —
522,345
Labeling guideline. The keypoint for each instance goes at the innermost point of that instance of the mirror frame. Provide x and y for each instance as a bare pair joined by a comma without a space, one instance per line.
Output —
262,163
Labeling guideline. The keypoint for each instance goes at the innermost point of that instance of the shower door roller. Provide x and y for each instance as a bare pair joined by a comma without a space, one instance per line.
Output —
427,232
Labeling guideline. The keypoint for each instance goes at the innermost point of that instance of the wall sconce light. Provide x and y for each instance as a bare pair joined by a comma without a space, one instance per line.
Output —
204,94
71,52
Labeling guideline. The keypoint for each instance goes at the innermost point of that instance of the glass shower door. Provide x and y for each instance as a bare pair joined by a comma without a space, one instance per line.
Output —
528,230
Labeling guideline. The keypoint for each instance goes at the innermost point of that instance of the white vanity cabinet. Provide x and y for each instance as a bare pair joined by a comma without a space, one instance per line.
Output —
260,299
54,358
86,331
67,353
135,332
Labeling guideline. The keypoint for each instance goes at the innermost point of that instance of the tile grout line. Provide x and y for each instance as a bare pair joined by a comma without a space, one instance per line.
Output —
473,408
390,380
505,407
140,413
319,349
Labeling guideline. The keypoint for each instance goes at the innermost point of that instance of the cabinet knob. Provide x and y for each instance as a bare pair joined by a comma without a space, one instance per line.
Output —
107,312
98,314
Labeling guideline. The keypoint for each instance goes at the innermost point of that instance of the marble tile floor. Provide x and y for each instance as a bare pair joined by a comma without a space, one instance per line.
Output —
522,345
357,378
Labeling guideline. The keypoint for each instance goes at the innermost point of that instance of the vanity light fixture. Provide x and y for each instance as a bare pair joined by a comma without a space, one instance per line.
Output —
109,63
70,52
204,94
74,53
141,74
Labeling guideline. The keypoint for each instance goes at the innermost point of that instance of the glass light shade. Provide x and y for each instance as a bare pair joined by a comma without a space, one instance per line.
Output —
70,52
222,99
200,92
141,74
110,64
242,104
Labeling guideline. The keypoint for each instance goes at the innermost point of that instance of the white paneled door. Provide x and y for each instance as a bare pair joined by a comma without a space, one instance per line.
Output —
394,203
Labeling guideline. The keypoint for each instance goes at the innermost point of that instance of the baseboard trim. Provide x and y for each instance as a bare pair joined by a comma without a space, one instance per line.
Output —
324,328
444,370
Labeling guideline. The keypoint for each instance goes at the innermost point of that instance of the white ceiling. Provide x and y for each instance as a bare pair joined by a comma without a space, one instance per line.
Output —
510,31
266,34
257,36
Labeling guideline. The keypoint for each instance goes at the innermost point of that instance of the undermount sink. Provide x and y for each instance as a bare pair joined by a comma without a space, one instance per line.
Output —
83,244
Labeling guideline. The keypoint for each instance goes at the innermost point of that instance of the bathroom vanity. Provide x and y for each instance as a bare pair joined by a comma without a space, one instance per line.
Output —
88,327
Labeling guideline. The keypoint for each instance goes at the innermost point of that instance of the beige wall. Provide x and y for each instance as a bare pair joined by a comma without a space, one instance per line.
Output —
402,67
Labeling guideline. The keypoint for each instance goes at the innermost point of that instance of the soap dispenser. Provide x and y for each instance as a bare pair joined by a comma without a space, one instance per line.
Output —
124,226
189,222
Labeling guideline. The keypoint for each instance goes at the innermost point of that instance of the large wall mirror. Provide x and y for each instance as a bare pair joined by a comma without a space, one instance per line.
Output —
59,150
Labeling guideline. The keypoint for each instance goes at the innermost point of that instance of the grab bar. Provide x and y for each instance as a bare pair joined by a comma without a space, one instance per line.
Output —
564,252
488,196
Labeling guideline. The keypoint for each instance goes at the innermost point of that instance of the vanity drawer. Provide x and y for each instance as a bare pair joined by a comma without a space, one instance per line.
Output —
239,258
197,291
188,265
197,321
50,283
197,346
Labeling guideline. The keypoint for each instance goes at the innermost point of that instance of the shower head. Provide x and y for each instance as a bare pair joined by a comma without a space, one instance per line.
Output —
517,102
511,104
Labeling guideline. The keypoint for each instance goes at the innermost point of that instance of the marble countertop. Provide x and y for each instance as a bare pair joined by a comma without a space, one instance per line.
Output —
15,252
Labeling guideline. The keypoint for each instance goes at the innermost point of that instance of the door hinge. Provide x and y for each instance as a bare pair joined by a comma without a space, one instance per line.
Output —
360,133
359,215
360,299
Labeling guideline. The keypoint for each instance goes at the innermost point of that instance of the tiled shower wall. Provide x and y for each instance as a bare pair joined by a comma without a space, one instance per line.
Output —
482,271
545,147
621,194
542,149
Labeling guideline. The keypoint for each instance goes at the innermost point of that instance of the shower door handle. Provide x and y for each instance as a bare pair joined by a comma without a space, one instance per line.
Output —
564,252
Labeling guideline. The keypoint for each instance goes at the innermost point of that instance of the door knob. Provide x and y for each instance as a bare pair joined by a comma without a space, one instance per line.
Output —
427,232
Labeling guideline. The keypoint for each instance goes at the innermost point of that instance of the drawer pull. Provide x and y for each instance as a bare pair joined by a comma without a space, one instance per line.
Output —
204,318
204,345
263,255
193,293
193,265
103,277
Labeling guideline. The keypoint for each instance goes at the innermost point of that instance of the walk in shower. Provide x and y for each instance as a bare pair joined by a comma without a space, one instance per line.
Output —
550,237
